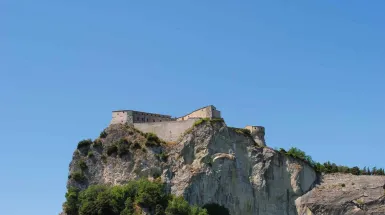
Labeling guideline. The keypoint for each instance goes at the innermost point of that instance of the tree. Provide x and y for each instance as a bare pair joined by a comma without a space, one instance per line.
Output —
178,206
355,170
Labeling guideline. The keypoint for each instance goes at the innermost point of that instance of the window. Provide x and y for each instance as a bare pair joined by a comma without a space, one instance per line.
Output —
147,120
153,120
160,120
137,118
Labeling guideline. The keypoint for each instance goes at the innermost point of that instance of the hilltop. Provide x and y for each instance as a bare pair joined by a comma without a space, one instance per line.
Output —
211,164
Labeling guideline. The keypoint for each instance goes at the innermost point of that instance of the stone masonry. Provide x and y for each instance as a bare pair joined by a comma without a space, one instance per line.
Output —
170,128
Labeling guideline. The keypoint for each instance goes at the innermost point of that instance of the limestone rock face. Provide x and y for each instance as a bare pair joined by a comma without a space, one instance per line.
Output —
339,194
213,163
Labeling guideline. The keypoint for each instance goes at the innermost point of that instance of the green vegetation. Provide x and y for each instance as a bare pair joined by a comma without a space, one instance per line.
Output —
360,201
243,131
90,154
328,167
123,147
82,165
103,134
127,200
97,143
84,143
104,159
78,176
162,156
112,149
152,140
207,120
199,122
136,145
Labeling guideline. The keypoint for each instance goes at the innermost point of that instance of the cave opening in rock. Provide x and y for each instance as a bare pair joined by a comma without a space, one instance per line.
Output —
215,209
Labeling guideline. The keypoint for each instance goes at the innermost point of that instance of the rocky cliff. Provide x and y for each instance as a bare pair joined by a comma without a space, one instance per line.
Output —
213,163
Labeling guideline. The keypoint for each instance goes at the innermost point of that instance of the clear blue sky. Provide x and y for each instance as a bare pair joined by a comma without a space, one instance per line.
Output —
311,72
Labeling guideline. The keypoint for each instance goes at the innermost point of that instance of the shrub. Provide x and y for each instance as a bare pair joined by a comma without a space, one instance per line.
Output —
178,206
84,143
103,134
136,145
78,176
342,185
97,143
90,154
112,149
355,170
243,131
152,140
360,201
201,121
82,164
299,154
149,194
162,156
104,159
123,147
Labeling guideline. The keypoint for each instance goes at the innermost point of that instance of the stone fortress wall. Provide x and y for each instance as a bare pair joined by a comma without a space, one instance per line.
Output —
169,128
130,117
169,131
205,112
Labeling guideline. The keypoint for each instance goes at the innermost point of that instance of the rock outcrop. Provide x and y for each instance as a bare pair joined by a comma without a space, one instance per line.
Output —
340,194
213,163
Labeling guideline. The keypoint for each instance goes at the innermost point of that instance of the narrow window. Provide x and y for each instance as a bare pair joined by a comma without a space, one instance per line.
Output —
153,120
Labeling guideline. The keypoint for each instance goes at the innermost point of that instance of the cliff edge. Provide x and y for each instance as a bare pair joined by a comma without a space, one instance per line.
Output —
215,164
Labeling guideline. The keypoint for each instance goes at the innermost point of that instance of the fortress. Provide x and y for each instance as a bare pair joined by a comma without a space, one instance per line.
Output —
170,128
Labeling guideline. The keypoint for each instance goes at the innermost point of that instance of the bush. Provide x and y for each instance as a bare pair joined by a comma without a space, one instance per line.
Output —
207,120
201,121
152,140
104,159
123,147
162,156
178,206
90,154
112,149
84,143
82,164
97,143
243,131
103,134
299,154
136,145
78,177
